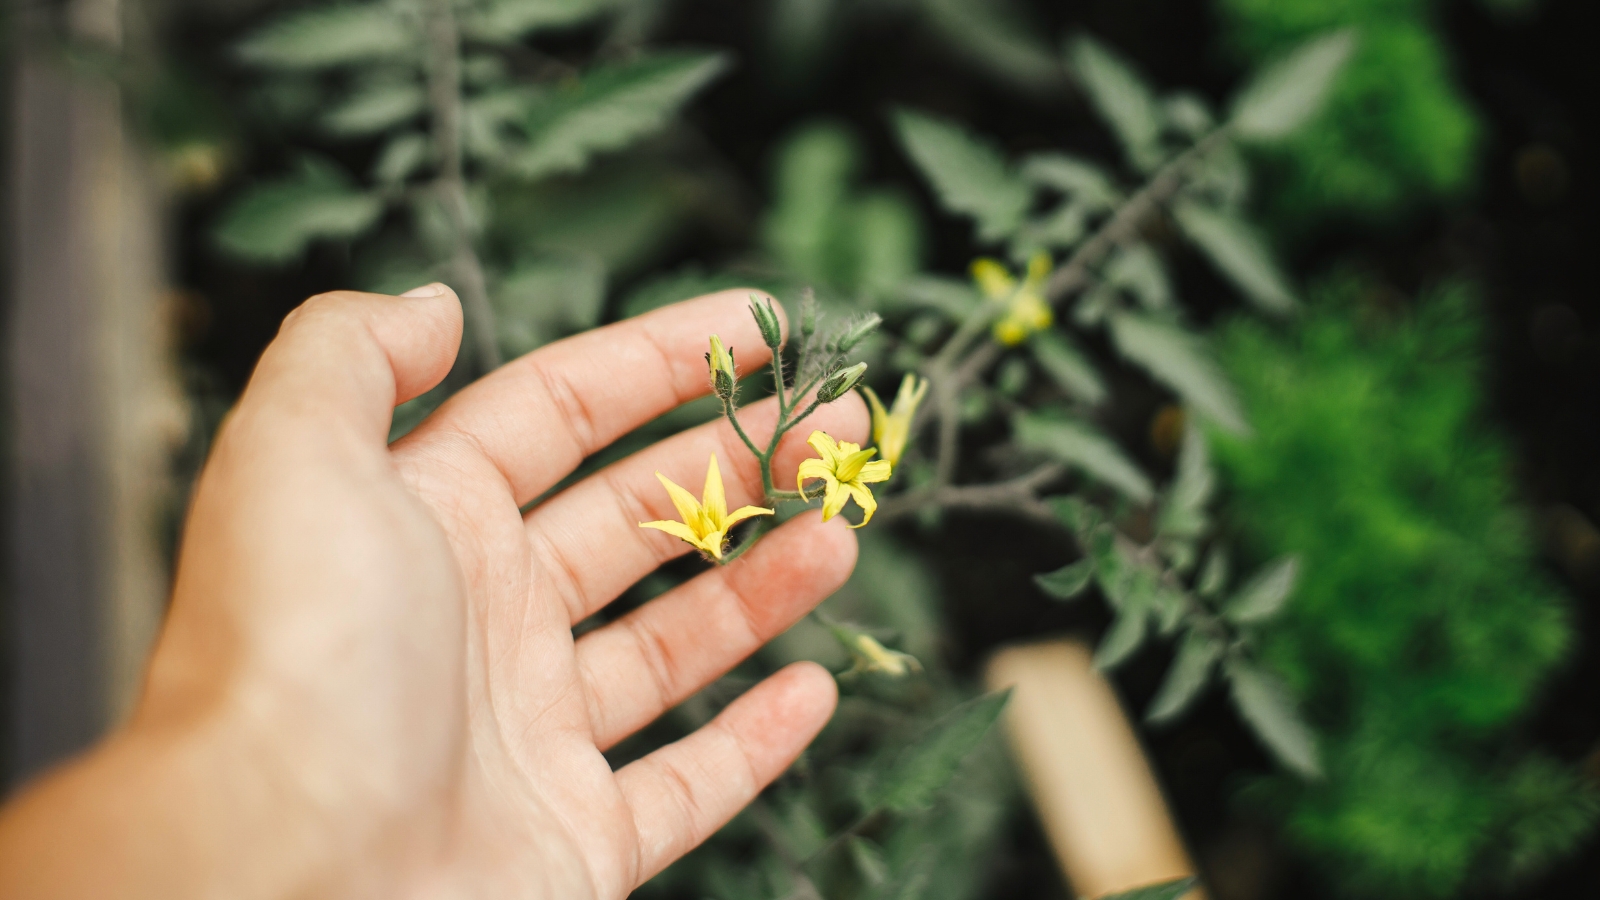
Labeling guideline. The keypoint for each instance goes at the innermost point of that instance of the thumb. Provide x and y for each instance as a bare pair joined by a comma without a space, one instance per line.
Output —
346,359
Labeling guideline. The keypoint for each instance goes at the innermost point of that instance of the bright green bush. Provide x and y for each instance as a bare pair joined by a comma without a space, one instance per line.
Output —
1423,628
1396,130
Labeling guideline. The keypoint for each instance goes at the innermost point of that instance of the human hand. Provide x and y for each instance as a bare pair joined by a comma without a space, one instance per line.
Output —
368,682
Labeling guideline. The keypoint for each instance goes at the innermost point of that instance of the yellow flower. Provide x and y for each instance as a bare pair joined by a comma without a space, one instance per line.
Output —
891,428
1027,311
872,656
845,469
705,524
720,362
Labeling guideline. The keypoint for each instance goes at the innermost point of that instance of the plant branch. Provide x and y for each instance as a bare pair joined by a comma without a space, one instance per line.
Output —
1018,496
444,98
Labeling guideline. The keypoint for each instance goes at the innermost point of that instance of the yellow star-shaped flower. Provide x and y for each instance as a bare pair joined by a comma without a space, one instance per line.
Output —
891,428
846,472
1027,311
705,523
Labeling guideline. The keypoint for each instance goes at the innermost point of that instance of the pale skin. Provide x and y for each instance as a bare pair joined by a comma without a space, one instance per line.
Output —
368,685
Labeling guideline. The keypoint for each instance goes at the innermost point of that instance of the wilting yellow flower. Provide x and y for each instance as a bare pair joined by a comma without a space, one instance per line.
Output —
847,473
1027,311
871,656
891,428
720,361
705,524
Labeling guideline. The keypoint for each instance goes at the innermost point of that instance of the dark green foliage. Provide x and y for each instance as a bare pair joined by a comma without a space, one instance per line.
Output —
1422,628
1396,129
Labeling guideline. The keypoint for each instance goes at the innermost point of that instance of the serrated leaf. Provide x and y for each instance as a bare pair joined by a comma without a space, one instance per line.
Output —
1080,445
927,764
1183,512
331,36
543,299
1068,367
1139,271
1190,671
1240,254
1125,637
1289,92
401,157
1264,595
1178,359
611,108
375,108
273,222
969,175
1121,97
1067,582
505,21
1078,178
1213,572
1166,890
1265,704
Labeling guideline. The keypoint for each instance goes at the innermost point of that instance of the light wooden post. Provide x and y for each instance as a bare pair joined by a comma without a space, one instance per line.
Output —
1094,791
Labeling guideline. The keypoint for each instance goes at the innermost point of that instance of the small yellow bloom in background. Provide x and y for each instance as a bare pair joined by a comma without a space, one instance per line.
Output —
871,656
1027,312
891,428
720,362
845,470
705,523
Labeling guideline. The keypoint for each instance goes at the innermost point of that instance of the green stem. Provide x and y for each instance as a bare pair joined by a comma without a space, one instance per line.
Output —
756,533
733,417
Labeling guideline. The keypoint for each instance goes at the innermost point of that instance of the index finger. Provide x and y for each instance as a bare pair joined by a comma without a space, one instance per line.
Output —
537,417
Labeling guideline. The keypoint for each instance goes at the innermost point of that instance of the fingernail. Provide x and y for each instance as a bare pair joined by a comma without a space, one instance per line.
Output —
427,290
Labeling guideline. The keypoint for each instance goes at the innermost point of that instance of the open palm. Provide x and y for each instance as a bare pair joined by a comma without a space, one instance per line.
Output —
393,635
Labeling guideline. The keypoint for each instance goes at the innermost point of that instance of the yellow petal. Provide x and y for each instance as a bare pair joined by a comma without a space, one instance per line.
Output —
875,471
992,279
715,502
838,495
688,507
880,416
912,390
825,446
745,512
864,499
713,542
1038,270
812,468
849,467
676,529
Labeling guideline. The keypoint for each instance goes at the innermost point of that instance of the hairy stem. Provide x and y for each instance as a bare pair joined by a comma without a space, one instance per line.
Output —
1018,496
444,98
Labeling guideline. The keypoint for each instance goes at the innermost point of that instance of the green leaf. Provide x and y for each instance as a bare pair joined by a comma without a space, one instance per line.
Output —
544,299
1067,582
611,108
954,297
1068,367
376,108
1289,92
331,36
1126,636
1240,254
1077,515
992,34
1121,97
1178,359
1268,710
1138,270
969,176
505,21
1188,676
920,771
401,157
1183,513
1264,595
1080,445
869,860
1213,572
1078,178
273,222
1166,890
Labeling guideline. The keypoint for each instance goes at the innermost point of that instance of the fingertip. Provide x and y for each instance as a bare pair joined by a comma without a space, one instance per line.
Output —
814,686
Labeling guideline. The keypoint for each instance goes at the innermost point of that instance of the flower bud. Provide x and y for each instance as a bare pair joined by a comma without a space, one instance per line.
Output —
767,320
840,383
858,331
720,361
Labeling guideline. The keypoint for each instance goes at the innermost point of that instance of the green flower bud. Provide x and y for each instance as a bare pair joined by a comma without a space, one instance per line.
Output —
720,362
840,383
767,320
858,331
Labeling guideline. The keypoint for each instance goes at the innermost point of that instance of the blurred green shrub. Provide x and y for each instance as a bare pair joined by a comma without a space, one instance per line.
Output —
1397,130
1423,627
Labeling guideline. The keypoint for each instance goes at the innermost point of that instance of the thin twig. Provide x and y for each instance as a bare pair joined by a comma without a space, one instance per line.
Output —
1018,496
444,96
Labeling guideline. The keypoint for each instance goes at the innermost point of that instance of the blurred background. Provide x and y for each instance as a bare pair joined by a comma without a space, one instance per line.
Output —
1426,432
